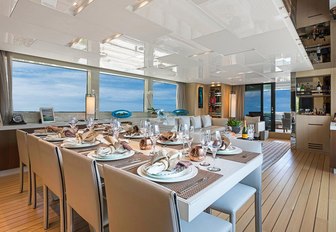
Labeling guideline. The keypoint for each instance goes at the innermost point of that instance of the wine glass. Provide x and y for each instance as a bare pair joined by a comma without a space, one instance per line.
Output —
214,145
205,139
73,122
115,126
250,131
144,126
90,123
154,133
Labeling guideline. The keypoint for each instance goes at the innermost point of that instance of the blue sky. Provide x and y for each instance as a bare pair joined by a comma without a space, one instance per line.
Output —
36,86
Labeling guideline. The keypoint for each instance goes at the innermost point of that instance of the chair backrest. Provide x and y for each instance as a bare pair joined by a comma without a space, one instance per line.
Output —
250,146
52,174
136,204
21,138
34,154
83,187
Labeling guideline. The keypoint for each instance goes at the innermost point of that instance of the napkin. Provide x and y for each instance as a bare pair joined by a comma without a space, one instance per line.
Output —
89,136
226,142
164,161
70,142
168,136
133,130
54,129
69,132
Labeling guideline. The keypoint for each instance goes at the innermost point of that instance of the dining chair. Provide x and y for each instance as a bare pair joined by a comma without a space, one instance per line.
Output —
52,178
35,163
137,204
21,137
236,197
83,190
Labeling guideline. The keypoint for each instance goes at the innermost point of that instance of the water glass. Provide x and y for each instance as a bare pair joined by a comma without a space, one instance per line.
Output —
250,132
90,123
73,122
205,140
154,133
214,145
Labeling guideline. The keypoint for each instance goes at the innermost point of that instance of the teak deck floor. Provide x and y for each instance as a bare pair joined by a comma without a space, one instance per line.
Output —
299,194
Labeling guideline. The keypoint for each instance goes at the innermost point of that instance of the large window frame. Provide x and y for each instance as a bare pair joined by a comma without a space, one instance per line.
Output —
47,64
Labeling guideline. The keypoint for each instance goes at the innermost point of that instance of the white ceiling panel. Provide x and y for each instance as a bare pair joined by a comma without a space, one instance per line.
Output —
226,41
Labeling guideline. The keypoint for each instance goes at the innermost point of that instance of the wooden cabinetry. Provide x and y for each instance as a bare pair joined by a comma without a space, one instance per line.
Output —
312,132
219,96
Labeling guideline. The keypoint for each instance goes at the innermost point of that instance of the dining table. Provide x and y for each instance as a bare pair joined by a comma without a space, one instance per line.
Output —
197,194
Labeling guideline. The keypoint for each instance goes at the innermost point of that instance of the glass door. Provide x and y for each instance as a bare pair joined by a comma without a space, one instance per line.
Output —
260,101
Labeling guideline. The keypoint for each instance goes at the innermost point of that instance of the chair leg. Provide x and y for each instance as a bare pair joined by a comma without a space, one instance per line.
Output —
29,186
34,190
45,207
21,176
62,215
233,221
69,218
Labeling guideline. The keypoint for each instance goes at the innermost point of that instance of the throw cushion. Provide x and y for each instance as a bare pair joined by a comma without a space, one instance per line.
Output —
206,120
250,120
196,122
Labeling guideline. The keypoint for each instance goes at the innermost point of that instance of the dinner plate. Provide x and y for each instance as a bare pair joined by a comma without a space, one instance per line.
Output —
53,139
111,157
134,136
79,145
170,142
168,174
187,176
43,133
232,150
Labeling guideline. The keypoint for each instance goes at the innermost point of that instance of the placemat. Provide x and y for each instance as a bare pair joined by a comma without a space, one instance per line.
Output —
189,188
137,158
243,157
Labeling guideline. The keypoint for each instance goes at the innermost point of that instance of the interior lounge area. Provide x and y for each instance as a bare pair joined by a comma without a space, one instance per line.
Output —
167,115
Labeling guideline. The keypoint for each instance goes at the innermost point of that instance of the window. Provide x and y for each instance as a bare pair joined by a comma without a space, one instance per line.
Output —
116,92
164,96
38,85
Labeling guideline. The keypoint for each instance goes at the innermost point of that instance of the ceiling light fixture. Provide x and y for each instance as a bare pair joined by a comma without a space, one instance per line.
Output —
78,8
109,39
201,53
140,4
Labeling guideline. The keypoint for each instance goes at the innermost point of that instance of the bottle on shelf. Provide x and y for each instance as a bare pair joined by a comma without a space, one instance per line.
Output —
302,87
318,87
244,132
298,88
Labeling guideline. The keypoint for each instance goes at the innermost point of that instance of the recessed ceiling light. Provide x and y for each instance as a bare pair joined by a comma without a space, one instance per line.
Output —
140,4
240,73
80,7
75,4
109,39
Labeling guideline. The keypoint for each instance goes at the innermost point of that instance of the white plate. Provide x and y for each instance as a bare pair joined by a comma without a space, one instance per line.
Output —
134,136
79,145
187,176
232,150
53,139
167,174
43,133
170,142
111,157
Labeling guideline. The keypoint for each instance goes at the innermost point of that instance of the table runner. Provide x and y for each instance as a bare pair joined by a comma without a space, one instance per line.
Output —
195,183
243,157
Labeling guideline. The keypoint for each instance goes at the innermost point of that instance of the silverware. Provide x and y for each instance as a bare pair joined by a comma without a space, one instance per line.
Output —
192,185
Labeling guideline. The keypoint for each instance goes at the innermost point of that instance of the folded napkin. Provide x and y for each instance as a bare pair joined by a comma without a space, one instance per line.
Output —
133,130
88,137
226,142
54,129
70,142
54,136
69,132
168,136
164,161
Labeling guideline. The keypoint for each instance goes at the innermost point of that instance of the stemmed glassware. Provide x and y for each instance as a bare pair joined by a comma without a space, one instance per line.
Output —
214,145
144,127
90,123
73,122
205,140
115,126
154,133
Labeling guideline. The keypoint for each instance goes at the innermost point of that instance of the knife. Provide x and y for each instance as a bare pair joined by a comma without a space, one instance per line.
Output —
192,185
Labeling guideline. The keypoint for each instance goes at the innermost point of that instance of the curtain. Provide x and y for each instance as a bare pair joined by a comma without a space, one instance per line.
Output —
240,93
181,96
6,104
